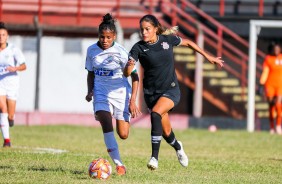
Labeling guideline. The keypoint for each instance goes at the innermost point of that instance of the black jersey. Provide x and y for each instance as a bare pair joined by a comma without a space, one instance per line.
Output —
158,63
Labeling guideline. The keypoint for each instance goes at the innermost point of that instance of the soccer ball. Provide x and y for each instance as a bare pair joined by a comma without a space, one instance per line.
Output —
100,169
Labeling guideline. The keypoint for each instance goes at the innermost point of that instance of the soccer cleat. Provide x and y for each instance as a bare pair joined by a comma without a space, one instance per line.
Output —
153,163
182,157
7,144
11,122
121,170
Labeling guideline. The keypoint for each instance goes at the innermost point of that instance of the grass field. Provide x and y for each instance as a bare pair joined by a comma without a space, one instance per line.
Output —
221,157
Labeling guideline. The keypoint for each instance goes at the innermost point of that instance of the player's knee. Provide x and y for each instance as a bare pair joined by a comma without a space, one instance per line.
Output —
123,135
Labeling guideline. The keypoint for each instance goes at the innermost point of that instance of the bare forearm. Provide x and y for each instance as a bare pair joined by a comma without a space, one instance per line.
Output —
22,67
213,60
135,84
195,47
90,82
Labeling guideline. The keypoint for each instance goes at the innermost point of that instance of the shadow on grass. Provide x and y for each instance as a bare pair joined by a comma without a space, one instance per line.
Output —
5,167
275,159
59,169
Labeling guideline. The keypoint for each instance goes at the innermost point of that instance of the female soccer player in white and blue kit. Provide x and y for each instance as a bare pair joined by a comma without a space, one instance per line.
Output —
11,61
110,89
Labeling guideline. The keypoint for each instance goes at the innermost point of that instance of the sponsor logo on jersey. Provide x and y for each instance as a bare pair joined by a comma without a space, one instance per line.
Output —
145,50
3,70
103,72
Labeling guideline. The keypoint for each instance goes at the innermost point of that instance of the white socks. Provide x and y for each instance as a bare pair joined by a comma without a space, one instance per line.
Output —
112,147
4,125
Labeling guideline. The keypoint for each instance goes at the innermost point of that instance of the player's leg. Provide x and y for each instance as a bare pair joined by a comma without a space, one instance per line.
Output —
105,119
4,121
278,106
122,120
272,110
162,106
270,92
170,138
11,111
122,128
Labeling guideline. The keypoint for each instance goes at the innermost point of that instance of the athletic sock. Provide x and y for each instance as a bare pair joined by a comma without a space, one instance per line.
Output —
172,141
156,133
112,147
4,125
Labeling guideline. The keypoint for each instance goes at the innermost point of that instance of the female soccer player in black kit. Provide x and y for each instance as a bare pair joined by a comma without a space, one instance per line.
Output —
161,89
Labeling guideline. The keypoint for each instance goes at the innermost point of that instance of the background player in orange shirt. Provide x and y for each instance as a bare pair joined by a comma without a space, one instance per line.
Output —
271,78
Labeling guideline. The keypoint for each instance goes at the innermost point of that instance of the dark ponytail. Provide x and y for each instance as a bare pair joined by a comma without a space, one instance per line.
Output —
108,23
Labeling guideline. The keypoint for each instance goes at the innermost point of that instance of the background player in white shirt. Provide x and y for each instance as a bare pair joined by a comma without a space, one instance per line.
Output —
11,61
110,89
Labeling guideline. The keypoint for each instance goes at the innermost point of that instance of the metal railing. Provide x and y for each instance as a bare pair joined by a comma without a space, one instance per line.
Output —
76,8
236,53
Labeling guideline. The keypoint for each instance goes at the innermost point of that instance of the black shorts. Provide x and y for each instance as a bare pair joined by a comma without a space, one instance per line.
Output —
173,94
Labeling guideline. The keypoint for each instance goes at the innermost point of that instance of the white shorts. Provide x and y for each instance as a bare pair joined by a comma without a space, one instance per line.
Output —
116,113
9,87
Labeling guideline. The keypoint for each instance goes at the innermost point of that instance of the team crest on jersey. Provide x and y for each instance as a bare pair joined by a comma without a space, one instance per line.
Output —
278,62
165,45
109,59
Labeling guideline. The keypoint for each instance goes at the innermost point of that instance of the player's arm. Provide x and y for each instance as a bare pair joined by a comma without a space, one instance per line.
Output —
194,46
134,110
90,85
264,75
21,67
262,80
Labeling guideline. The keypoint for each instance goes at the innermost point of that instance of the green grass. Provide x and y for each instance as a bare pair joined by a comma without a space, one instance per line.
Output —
221,157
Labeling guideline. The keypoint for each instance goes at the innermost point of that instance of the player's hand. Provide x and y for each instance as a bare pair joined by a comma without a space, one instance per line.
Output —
130,62
134,110
216,60
11,68
89,96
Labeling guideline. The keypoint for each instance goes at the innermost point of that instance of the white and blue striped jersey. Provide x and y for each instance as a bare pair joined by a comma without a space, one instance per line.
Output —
110,85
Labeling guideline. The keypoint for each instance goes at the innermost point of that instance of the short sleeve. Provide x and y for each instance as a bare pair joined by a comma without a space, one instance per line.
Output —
134,53
88,63
18,56
123,56
174,40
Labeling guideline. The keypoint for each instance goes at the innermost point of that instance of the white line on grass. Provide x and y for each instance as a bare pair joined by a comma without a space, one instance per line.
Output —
42,150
